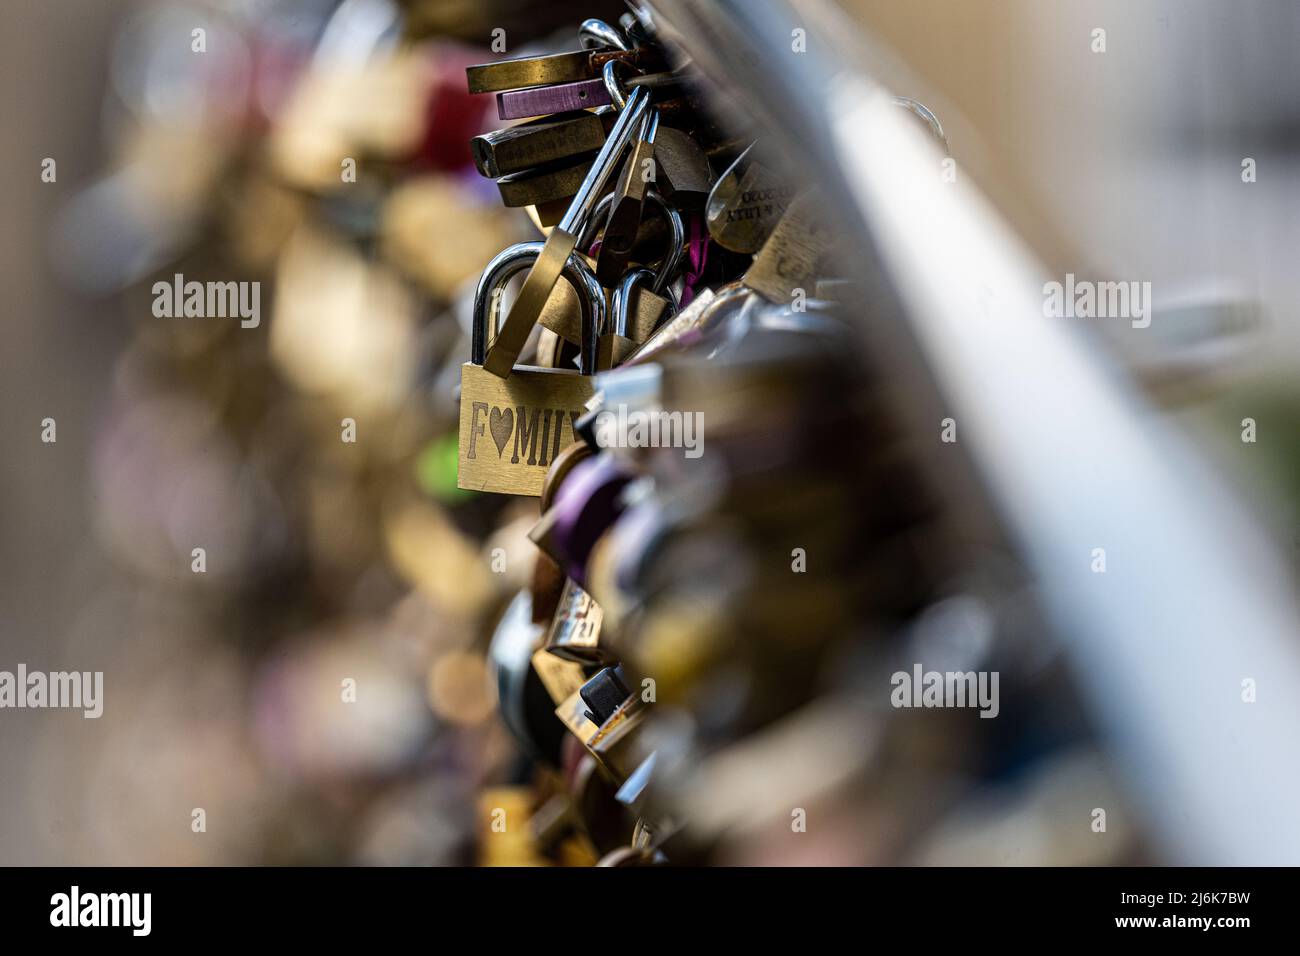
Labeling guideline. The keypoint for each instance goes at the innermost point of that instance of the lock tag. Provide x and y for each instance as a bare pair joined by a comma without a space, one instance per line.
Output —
511,429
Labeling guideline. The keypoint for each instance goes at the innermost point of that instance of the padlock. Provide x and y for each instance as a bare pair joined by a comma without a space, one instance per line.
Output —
745,205
624,221
533,71
574,634
632,299
683,173
548,579
649,307
526,419
554,256
534,187
590,501
792,256
553,139
523,696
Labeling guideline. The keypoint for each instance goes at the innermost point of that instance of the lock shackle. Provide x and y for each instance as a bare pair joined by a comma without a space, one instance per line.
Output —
609,73
578,214
620,304
672,259
595,33
518,258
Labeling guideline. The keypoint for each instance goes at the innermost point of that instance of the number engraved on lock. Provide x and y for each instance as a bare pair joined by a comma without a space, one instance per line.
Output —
746,205
575,629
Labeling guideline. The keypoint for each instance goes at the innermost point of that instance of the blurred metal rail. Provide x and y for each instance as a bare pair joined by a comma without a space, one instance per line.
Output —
1194,599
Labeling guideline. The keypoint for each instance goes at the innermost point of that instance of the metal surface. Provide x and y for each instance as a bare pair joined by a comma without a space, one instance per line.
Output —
1195,599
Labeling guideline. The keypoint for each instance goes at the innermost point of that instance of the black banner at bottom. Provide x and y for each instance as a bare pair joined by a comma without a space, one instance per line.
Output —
569,906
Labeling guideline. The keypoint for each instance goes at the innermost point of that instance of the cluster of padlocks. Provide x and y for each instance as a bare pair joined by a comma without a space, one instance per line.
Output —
667,631
692,582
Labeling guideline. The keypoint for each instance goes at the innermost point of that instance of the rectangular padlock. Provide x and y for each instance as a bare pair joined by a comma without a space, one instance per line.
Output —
536,143
532,71
512,428
538,186
792,257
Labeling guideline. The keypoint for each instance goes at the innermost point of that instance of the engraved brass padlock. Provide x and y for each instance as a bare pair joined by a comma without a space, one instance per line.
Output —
512,428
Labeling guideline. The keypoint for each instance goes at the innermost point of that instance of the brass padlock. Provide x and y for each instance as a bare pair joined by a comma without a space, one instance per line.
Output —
792,257
555,255
632,296
649,307
683,172
526,419
745,205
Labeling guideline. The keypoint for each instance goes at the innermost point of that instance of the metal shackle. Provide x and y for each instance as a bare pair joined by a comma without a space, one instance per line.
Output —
609,73
595,33
620,303
578,214
672,259
518,258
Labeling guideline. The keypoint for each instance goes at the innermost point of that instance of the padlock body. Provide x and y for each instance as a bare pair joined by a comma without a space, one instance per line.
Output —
613,350
512,428
562,313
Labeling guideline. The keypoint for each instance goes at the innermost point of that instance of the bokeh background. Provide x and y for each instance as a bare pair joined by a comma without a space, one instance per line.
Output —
327,559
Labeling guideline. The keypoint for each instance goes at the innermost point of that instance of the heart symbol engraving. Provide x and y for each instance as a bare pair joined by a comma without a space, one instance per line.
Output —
501,424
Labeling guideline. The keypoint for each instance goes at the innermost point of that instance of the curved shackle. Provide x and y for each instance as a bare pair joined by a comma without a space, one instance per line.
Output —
620,311
597,33
518,258
671,261
613,86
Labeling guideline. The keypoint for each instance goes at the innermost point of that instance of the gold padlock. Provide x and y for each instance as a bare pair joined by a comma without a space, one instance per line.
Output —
627,329
649,307
511,429
555,255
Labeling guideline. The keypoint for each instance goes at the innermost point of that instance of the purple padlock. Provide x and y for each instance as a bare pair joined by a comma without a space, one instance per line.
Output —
545,100
589,501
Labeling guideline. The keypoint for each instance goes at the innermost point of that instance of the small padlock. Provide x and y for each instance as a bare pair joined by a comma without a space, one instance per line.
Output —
649,308
637,308
527,419
632,295
683,172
